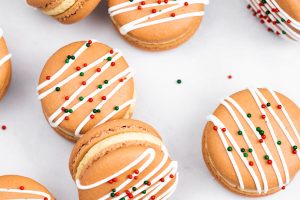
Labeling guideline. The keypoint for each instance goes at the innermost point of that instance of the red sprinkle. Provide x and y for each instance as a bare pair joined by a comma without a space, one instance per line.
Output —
85,64
251,163
90,41
3,127
261,140
289,21
173,14
159,1
215,128
45,198
98,70
162,180
279,106
129,176
91,99
186,3
143,2
83,83
264,137
139,8
48,77
135,178
263,116
66,98
21,187
103,98
294,151
78,68
152,197
115,179
283,187
136,171
92,116
111,51
269,162
113,63
117,194
166,1
110,181
223,130
171,176
67,118
229,76
154,10
263,106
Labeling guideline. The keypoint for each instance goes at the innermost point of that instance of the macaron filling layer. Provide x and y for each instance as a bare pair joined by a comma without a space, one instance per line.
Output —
110,141
64,6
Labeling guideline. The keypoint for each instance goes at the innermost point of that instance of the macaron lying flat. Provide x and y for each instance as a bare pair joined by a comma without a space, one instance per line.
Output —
5,66
65,11
282,17
250,143
157,24
85,84
19,187
123,159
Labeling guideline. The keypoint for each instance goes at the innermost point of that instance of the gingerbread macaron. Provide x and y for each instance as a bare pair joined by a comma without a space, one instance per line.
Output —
123,159
157,24
65,11
85,84
251,142
282,17
19,187
5,66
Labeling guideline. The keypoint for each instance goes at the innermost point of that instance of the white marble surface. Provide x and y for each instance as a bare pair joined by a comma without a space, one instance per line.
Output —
230,41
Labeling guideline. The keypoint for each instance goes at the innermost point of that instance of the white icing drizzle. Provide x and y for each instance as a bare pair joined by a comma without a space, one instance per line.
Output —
32,192
156,185
6,57
217,122
55,120
259,99
283,28
142,22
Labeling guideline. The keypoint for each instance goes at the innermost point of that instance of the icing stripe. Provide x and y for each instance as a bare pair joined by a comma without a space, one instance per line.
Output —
5,59
217,122
248,142
141,22
32,192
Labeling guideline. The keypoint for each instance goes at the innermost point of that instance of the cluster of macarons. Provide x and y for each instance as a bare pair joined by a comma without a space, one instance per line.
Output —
250,143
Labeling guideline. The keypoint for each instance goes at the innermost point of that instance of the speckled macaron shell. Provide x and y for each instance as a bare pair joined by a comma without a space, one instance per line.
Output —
105,163
19,187
282,17
5,68
160,36
216,154
66,13
120,86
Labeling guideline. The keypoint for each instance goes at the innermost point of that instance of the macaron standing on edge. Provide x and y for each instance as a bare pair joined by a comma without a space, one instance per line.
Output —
65,11
251,142
85,84
123,159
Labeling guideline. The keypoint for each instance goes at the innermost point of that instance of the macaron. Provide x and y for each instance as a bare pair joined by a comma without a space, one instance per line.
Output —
123,159
282,17
5,66
156,24
85,84
251,142
65,11
19,187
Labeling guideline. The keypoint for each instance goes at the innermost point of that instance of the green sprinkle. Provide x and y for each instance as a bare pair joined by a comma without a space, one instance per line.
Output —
295,147
117,108
81,98
109,58
258,129
88,45
261,132
67,61
123,198
100,86
245,155
240,132
146,182
179,81
279,142
68,57
66,110
106,82
73,57
250,150
283,20
57,89
144,191
134,189
283,32
112,194
268,104
243,150
114,190
70,110
249,115
267,157
94,110
268,12
81,74
229,148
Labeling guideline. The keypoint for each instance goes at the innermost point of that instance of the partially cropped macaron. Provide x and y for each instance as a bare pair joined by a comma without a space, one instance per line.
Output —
5,66
85,84
65,11
123,159
157,24
251,142
282,17
19,187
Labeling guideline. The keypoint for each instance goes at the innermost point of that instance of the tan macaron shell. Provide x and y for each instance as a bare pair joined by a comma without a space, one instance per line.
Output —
291,7
68,13
215,154
5,69
114,158
22,184
160,36
54,101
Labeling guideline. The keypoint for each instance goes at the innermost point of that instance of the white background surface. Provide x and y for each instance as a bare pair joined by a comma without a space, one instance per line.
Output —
230,41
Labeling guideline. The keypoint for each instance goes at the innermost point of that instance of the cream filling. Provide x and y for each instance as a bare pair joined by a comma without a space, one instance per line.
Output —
117,139
65,5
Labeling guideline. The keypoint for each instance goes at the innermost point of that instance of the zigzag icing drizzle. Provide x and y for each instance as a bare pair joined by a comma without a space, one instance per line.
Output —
30,192
6,57
230,104
275,18
144,21
156,184
125,76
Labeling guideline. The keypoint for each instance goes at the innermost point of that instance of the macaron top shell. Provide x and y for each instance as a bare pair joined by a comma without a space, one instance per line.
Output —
291,7
122,158
19,187
84,84
251,142
155,21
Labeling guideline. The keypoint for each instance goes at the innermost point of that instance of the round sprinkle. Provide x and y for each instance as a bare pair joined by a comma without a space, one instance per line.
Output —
240,132
229,148
250,150
178,81
57,89
279,142
3,127
116,108
249,115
